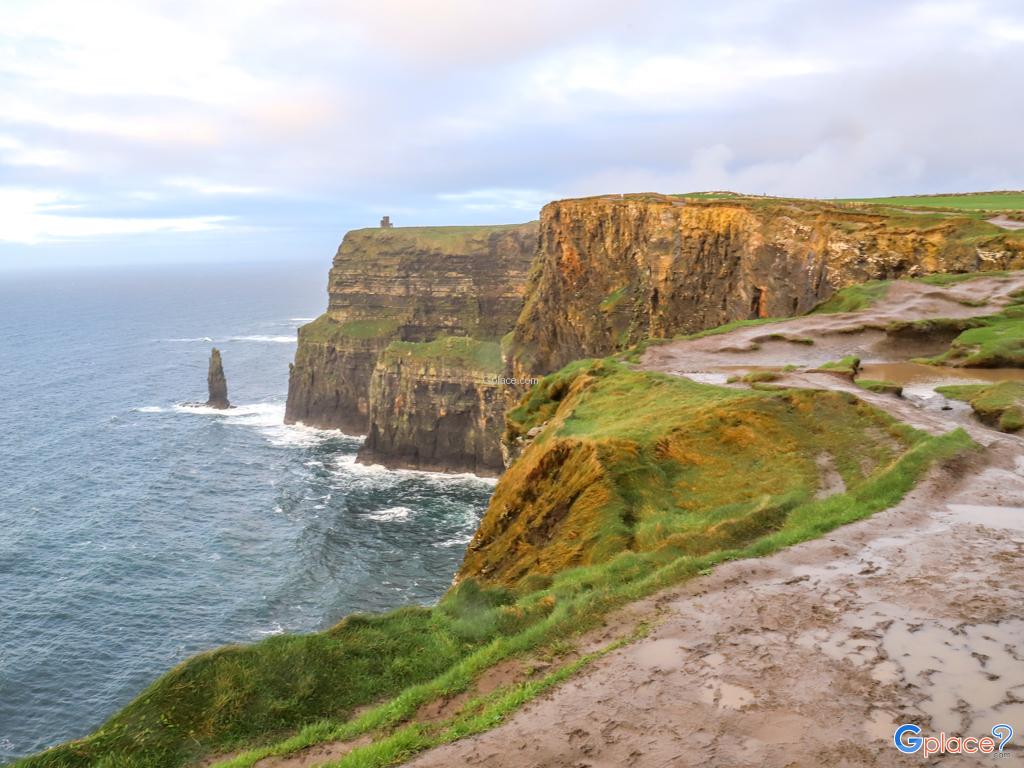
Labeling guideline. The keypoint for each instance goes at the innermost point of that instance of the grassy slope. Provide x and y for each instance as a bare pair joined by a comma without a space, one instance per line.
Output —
993,341
635,461
668,453
1001,405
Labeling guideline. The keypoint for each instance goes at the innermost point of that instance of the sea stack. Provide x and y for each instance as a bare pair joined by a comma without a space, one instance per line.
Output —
216,382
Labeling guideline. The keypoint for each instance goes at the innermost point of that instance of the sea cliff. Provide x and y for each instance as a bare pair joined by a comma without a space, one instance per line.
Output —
437,405
412,284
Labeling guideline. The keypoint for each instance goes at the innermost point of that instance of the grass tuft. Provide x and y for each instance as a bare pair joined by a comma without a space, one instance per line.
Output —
998,405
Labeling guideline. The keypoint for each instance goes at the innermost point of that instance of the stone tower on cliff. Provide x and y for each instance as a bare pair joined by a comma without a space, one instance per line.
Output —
385,223
216,383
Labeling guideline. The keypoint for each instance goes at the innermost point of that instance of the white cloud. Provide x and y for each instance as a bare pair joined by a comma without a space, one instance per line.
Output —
206,187
631,79
15,152
246,108
31,216
498,199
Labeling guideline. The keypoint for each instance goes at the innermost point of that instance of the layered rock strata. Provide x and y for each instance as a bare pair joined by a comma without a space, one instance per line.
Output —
437,406
611,271
413,285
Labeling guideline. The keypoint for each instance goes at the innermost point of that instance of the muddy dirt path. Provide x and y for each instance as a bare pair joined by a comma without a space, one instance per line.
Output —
816,339
812,657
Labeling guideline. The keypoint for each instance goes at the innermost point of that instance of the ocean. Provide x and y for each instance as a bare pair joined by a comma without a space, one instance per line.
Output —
135,532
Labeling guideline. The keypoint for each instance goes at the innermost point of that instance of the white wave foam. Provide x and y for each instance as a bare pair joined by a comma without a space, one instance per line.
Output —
458,541
390,515
349,466
266,338
277,629
149,409
193,338
301,320
254,414
268,418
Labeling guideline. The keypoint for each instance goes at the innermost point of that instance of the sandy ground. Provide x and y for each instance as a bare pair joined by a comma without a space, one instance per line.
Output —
812,657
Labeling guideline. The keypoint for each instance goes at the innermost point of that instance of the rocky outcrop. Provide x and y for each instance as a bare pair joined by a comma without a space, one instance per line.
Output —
611,271
411,284
216,383
437,406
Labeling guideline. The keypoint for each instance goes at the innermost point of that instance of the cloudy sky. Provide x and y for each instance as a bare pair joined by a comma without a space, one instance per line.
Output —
164,130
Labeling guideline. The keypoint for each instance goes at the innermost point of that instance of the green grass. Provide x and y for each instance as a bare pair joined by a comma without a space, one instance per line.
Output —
459,351
951,278
326,329
241,694
880,387
755,377
853,298
449,240
999,405
613,299
976,201
991,341
679,476
848,365
999,344
735,324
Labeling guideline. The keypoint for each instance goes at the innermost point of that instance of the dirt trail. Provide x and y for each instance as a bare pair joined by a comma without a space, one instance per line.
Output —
812,656
816,339
1006,222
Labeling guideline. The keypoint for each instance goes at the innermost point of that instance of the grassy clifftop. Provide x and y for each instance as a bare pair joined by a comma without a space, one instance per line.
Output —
981,202
629,461
451,240
453,351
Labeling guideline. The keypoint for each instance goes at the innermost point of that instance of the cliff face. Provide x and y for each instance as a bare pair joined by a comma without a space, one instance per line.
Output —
437,406
410,284
611,271
328,384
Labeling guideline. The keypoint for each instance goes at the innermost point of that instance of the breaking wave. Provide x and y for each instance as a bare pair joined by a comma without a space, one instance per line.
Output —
390,515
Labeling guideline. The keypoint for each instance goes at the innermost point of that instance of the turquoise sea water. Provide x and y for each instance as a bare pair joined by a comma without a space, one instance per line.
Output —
135,532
